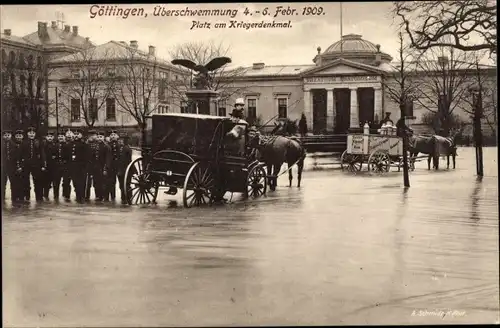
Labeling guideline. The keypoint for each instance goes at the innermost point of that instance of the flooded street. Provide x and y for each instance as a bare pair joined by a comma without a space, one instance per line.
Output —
342,249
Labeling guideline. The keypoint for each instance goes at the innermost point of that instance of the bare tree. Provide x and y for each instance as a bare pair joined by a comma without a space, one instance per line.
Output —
402,90
91,82
443,85
468,25
222,80
139,78
485,81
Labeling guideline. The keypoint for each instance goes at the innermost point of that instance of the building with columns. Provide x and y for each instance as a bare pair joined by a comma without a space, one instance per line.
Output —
345,87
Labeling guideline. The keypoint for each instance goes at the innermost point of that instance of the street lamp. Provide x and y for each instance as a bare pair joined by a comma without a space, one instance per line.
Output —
477,106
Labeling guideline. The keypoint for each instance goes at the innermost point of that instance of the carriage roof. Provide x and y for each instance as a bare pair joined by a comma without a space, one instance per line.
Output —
189,133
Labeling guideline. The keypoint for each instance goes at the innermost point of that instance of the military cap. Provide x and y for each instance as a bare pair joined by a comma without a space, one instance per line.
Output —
77,131
100,133
92,132
50,133
113,131
19,132
61,133
31,129
7,132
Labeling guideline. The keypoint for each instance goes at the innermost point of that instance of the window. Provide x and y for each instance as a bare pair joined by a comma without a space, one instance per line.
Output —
252,110
162,85
31,62
75,73
282,107
93,109
111,72
222,108
4,57
22,62
22,80
75,110
39,62
110,109
184,106
409,108
12,58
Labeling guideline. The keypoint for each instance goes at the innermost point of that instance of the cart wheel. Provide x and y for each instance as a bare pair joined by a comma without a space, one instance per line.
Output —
199,186
140,188
256,182
343,160
411,164
379,162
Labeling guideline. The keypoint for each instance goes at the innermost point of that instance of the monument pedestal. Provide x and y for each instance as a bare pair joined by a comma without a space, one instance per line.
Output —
203,101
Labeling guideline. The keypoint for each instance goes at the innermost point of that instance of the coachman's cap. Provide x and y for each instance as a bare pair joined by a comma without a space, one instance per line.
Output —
100,133
113,131
20,132
61,133
92,132
31,129
50,133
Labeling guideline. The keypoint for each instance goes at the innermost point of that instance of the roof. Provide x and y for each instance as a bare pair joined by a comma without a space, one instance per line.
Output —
57,36
17,39
112,50
352,43
275,70
430,65
198,116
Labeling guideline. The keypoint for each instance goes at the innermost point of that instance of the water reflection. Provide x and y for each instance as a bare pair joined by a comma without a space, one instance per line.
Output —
475,199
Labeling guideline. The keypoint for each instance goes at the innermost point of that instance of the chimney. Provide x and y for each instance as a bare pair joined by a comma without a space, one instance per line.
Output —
67,28
42,29
134,44
258,65
7,32
54,24
75,30
87,39
443,61
152,50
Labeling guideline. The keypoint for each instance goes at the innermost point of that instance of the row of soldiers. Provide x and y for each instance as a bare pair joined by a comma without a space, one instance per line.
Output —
70,159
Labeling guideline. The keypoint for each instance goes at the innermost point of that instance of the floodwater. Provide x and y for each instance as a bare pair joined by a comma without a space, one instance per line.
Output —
343,249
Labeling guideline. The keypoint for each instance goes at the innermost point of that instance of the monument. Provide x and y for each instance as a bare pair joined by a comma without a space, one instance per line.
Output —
202,98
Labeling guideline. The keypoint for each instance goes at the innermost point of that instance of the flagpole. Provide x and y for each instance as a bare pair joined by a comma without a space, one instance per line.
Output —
341,41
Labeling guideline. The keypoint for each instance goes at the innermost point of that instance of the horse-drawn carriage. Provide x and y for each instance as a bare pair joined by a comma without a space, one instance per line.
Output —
192,152
379,151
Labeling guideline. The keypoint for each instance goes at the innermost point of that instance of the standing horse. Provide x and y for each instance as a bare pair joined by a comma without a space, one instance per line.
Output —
434,146
274,151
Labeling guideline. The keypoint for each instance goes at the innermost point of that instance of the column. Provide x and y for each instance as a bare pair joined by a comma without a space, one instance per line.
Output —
330,110
308,110
354,123
377,99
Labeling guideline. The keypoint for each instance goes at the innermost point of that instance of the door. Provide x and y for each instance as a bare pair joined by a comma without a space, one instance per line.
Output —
343,106
366,98
319,111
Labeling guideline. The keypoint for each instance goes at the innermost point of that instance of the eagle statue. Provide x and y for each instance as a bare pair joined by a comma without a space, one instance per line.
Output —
202,80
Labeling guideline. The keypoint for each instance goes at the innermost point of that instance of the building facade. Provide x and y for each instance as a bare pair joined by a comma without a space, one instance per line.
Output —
111,86
345,87
24,97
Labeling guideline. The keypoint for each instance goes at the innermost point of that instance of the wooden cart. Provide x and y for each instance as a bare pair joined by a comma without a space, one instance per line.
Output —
379,152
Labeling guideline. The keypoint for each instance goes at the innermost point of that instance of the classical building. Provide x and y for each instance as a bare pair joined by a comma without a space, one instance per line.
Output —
24,72
345,87
111,85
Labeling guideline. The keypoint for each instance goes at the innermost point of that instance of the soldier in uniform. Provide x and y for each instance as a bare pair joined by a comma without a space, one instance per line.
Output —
99,163
125,158
59,157
34,165
17,181
48,147
78,165
91,142
9,164
66,179
113,168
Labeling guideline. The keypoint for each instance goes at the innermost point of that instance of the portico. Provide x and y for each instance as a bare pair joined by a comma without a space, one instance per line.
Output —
337,103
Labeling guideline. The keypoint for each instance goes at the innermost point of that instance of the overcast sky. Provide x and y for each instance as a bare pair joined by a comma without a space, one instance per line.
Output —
295,45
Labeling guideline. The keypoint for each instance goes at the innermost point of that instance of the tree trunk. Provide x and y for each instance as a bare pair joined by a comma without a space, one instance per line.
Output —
406,175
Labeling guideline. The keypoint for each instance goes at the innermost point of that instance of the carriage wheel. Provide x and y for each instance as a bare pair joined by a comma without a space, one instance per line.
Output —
379,162
352,163
140,188
256,182
199,186
343,160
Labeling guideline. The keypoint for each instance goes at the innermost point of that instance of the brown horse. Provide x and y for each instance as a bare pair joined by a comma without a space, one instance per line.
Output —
274,151
434,146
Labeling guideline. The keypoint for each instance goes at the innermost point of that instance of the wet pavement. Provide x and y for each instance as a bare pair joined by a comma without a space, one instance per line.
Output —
343,249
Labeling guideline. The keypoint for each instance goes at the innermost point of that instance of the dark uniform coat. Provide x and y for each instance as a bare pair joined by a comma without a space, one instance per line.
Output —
77,165
34,165
11,162
99,162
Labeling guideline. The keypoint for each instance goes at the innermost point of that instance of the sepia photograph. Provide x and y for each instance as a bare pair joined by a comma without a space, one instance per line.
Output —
250,164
